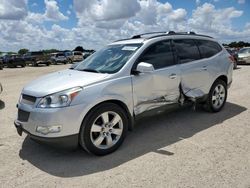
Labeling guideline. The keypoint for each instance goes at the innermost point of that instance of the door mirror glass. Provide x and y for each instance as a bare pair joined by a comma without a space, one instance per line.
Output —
144,67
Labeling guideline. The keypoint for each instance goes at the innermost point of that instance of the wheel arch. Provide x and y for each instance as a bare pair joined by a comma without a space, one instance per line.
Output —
223,78
120,104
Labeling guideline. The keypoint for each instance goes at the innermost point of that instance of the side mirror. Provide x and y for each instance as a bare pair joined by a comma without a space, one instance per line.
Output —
144,68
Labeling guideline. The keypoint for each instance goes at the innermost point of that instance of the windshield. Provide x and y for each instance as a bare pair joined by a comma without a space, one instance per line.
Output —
244,50
110,59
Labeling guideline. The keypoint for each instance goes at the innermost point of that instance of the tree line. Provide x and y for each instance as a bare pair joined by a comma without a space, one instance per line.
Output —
47,51
239,44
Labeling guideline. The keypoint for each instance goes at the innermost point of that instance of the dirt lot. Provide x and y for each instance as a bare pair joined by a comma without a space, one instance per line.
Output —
184,148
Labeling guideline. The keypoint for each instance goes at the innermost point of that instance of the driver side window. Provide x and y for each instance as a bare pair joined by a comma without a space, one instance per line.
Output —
160,55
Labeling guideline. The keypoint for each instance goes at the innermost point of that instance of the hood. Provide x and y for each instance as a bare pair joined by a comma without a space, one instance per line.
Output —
60,81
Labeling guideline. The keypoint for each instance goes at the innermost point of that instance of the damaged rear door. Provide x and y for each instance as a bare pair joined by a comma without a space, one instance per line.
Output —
194,70
160,87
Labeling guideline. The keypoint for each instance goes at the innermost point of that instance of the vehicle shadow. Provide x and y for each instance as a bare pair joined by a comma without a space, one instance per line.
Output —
2,105
150,135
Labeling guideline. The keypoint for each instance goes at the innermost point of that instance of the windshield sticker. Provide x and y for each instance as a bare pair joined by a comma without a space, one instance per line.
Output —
129,48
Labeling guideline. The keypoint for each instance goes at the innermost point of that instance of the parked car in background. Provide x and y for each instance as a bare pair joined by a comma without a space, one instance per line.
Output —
77,56
12,61
70,56
1,63
1,88
234,55
95,104
244,55
37,58
57,58
86,54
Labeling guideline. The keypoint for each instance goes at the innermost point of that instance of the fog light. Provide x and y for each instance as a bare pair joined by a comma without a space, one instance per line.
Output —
47,130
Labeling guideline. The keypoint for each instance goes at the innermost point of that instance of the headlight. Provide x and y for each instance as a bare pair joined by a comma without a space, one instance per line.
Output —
60,99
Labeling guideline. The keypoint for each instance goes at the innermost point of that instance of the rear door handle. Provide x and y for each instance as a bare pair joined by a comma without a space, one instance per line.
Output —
172,76
204,68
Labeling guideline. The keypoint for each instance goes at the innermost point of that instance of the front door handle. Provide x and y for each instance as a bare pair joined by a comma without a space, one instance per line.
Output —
172,76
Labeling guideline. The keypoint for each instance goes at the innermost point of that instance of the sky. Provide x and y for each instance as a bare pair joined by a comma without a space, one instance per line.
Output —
65,24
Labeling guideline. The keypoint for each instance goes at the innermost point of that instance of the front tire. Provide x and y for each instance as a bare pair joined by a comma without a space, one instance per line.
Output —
103,129
217,96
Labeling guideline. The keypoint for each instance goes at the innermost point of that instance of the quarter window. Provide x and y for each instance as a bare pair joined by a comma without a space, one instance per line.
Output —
187,50
208,48
159,55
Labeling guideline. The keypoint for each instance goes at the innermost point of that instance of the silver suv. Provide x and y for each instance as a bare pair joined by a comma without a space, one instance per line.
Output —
95,103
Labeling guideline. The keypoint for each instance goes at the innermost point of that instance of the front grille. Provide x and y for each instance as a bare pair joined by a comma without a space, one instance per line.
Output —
23,115
27,99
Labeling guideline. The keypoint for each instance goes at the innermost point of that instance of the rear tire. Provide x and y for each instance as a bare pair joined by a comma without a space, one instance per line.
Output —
217,96
103,130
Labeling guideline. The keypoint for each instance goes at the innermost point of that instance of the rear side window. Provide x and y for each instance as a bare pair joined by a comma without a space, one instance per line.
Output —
187,50
159,55
208,48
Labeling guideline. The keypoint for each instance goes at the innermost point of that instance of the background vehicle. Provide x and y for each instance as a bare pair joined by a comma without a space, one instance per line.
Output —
244,55
1,88
1,63
86,54
77,56
12,61
96,103
37,58
234,55
69,55
59,58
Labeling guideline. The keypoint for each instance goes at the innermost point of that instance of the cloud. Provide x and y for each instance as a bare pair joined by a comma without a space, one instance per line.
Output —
109,22
208,19
52,11
197,2
34,5
104,10
241,1
17,11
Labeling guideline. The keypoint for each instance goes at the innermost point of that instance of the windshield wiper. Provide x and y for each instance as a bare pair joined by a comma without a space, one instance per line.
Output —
89,70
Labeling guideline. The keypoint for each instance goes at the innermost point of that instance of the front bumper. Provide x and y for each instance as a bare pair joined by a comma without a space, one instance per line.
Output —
70,141
69,119
243,61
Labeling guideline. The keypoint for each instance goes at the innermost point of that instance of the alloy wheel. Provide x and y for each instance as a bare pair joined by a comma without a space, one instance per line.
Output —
218,97
106,130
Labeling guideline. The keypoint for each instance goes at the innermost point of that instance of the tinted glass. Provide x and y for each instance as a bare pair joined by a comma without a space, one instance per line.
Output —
159,55
187,50
244,50
208,48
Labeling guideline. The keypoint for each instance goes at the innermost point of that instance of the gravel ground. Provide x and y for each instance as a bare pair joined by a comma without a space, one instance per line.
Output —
183,148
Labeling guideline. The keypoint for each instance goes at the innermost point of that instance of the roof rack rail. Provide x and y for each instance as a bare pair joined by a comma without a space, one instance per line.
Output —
150,33
163,33
181,33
